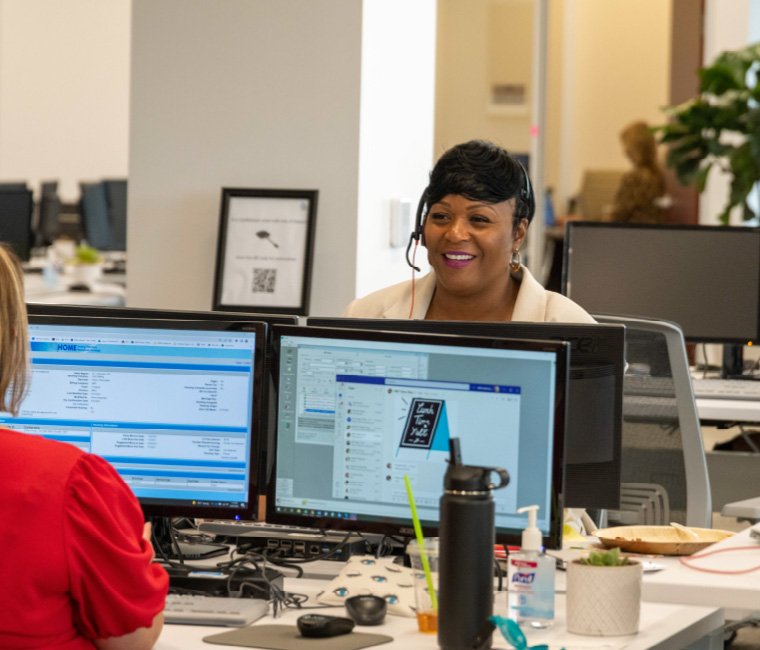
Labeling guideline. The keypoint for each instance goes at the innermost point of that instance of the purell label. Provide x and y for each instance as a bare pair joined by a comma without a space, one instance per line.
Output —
523,564
523,578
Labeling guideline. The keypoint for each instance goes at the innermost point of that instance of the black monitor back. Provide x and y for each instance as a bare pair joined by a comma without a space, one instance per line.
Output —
593,433
94,211
704,278
116,196
16,206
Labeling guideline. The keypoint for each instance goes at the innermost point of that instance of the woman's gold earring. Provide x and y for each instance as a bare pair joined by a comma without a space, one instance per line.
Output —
515,260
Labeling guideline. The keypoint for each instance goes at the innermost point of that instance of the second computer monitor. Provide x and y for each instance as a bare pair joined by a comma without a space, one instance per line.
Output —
704,278
359,410
173,406
593,432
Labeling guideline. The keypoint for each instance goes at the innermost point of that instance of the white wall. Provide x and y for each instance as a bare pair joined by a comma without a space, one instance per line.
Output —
64,91
615,70
255,93
481,42
396,148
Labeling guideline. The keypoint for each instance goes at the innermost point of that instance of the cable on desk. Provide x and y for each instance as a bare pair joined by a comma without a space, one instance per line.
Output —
686,561
279,598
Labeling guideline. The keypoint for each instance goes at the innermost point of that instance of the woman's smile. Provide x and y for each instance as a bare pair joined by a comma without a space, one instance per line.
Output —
457,259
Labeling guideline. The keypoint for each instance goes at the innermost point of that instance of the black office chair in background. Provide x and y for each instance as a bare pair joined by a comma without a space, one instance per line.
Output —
16,207
48,226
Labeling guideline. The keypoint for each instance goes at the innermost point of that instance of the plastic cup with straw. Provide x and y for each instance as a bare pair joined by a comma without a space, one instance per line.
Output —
423,555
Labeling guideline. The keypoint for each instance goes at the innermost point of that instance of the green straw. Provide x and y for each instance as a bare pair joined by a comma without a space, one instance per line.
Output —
421,542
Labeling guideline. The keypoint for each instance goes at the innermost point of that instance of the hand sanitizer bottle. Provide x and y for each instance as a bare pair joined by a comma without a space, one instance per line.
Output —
530,601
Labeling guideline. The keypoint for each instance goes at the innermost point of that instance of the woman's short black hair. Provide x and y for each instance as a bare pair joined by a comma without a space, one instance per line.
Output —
481,171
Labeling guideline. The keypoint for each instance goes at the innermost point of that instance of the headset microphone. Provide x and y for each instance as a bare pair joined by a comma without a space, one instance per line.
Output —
417,232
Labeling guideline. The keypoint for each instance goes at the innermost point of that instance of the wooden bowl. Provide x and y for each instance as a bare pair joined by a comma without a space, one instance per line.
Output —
659,540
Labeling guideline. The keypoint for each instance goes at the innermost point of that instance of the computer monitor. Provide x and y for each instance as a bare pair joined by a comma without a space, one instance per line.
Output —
116,195
174,406
235,321
704,278
594,420
358,410
93,206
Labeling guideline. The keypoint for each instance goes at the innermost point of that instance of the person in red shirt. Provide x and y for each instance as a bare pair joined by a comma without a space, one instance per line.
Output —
76,569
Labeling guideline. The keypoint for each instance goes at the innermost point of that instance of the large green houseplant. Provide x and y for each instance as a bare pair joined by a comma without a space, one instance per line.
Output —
720,128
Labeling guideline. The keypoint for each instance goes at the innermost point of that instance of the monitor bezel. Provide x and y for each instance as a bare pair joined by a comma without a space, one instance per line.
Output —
572,226
404,529
251,511
583,341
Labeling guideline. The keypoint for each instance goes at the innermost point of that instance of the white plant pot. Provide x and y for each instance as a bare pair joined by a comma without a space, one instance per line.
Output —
603,600
87,274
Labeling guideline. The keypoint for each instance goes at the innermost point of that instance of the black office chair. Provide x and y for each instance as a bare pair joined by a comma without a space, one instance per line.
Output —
16,207
13,186
48,227
94,211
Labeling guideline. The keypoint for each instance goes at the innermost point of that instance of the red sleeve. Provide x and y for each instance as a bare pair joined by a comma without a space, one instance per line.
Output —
114,586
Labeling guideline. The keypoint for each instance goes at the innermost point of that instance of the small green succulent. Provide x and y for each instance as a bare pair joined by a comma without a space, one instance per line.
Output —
87,255
605,558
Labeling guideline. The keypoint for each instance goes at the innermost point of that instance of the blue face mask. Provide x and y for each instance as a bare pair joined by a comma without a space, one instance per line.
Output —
513,634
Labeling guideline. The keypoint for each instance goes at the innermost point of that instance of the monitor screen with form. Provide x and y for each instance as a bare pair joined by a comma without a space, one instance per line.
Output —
359,410
174,407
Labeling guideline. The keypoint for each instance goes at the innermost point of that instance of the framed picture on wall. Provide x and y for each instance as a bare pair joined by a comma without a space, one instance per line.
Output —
265,249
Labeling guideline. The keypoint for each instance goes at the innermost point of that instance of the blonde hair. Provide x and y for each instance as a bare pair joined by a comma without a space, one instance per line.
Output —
14,337
640,145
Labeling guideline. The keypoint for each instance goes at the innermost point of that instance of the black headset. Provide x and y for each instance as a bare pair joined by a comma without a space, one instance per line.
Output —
526,194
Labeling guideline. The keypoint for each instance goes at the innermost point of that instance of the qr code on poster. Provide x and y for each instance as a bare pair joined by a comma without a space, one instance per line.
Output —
264,280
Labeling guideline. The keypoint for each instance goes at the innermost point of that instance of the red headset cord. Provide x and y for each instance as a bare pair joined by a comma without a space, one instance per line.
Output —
686,561
414,254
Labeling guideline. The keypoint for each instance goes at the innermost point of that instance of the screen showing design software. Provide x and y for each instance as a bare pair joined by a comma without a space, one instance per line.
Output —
356,416
169,409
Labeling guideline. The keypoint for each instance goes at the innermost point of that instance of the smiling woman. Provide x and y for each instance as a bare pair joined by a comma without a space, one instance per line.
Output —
479,205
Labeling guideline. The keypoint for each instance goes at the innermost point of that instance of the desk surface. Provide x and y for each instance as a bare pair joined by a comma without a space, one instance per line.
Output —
728,410
738,594
663,627
108,291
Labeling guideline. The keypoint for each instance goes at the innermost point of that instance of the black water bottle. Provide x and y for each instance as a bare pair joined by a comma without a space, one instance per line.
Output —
467,536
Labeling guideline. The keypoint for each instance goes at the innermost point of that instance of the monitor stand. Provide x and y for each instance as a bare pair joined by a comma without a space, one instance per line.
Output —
733,363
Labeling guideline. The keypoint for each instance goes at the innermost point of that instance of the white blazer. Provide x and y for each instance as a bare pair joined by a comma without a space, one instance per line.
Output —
534,304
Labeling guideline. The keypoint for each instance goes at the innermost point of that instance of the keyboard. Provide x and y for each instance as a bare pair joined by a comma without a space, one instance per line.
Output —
191,609
743,389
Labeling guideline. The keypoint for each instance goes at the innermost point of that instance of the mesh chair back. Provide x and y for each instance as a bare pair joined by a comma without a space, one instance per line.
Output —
662,440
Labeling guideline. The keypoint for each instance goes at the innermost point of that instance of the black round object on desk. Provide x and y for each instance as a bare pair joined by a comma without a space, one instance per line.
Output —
366,609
